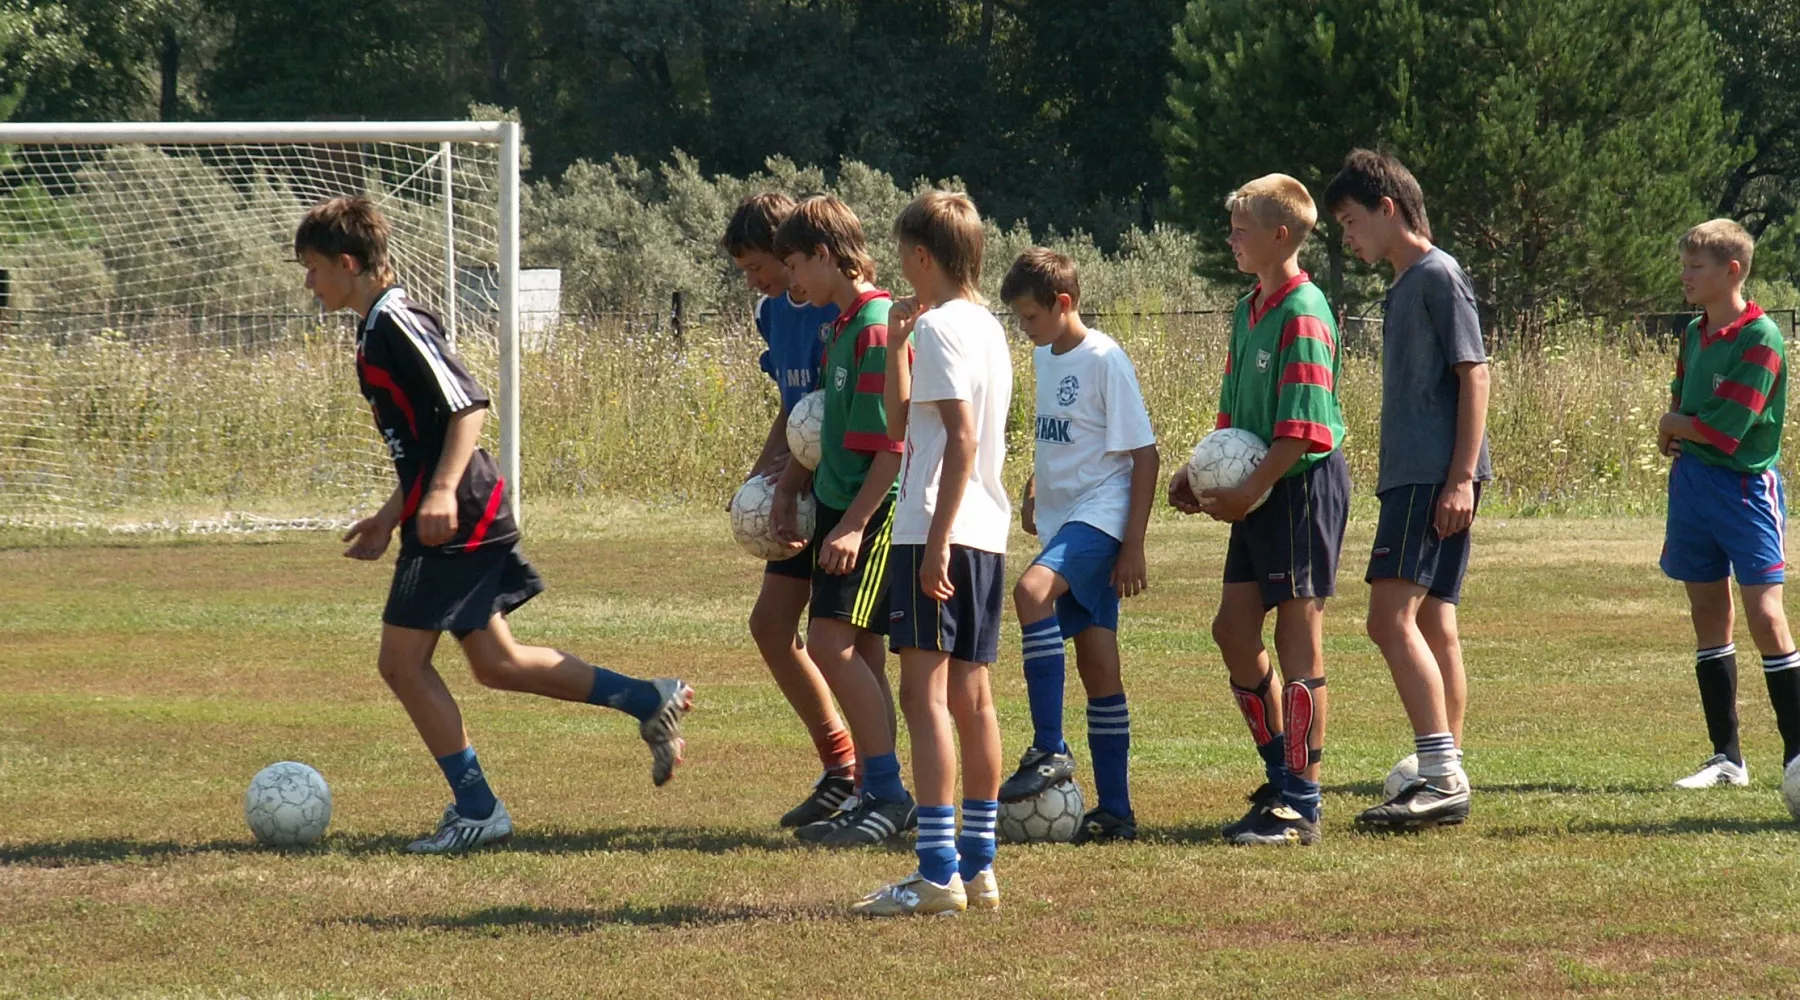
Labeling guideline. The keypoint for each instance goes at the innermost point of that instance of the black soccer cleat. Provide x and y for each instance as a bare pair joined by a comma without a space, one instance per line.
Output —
1038,770
872,823
1267,796
1101,827
828,796
1421,804
1277,826
815,832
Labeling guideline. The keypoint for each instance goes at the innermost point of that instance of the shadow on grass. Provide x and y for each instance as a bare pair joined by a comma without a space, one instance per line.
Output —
538,919
1376,789
642,840
1692,825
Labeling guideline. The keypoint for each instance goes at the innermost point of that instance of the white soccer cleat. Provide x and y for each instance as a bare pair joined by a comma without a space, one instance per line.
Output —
454,834
983,891
1718,770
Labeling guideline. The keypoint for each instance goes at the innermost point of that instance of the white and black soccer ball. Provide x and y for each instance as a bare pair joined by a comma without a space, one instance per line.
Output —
1401,776
287,805
1050,817
1790,787
750,518
806,422
1224,459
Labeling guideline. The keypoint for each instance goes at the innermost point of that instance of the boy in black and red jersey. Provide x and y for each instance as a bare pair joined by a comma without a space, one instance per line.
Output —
460,569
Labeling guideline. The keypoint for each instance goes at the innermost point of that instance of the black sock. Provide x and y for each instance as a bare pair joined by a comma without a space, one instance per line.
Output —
1784,693
1716,670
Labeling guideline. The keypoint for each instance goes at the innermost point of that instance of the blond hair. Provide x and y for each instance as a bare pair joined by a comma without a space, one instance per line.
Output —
946,224
1277,200
1724,240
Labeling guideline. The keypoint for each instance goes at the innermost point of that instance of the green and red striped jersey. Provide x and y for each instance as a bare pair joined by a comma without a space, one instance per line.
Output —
1732,382
1281,371
854,374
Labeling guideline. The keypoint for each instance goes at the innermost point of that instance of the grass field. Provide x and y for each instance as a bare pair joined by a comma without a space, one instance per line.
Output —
145,682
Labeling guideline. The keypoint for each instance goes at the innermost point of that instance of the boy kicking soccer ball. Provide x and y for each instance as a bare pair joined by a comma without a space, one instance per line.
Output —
795,331
1281,385
949,559
1727,507
1094,477
460,569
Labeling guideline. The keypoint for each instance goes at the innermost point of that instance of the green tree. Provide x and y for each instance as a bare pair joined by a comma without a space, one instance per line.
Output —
1758,43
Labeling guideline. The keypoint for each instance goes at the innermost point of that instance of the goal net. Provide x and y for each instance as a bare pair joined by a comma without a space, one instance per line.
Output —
162,364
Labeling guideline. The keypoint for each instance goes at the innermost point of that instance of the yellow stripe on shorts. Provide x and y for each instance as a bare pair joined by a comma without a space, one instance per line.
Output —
874,573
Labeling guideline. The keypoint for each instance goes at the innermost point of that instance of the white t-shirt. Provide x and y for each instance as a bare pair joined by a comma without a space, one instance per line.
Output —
1090,413
959,353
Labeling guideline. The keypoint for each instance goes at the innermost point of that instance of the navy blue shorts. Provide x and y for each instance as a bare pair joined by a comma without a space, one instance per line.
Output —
1407,546
1290,545
1083,556
967,626
459,594
1723,522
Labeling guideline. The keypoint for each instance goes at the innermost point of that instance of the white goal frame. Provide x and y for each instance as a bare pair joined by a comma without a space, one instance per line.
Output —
506,136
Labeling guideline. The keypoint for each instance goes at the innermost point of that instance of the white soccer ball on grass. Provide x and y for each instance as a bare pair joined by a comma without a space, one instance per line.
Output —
1401,776
1790,787
1050,817
750,521
1223,460
806,421
287,805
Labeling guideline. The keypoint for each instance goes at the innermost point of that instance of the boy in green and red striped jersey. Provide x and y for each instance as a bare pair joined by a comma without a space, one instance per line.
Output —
1281,385
1727,509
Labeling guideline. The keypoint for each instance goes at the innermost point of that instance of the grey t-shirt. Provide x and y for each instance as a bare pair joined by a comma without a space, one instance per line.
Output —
1430,326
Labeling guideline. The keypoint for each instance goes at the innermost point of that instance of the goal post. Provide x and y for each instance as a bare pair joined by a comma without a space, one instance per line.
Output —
160,361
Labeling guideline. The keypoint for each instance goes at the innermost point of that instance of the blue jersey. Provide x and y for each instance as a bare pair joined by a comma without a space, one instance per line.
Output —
796,334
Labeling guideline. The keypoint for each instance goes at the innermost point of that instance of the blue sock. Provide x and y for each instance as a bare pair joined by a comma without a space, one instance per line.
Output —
976,842
881,778
1302,796
474,799
1109,742
937,843
1274,755
635,698
1044,670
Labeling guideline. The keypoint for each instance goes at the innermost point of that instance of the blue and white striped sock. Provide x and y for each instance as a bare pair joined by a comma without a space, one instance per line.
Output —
976,842
1045,667
937,843
1109,741
1437,755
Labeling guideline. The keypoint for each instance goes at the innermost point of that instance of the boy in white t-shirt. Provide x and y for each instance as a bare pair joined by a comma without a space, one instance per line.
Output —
1094,478
947,566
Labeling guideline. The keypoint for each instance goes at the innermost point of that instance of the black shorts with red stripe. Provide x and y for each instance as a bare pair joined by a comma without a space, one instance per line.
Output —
437,591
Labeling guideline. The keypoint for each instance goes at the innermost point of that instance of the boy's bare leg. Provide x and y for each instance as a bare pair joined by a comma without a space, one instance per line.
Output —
1767,618
1097,661
971,707
1237,629
1437,623
405,664
1394,626
924,698
775,625
1300,648
833,646
872,650
1715,671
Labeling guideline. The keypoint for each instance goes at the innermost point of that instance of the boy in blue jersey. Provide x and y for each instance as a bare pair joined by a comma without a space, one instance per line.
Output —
795,334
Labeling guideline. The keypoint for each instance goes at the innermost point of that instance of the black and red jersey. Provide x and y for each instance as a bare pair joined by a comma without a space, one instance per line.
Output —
414,385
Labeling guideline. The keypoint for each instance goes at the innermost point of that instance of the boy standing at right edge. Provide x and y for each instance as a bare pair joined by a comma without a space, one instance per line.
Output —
1434,458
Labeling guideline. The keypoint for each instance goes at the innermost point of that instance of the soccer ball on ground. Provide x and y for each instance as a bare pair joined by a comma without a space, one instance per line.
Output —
1224,459
1790,787
750,518
1403,774
805,422
287,804
1050,817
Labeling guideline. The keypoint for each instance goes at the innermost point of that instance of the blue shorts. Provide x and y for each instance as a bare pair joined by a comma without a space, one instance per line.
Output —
1083,556
1407,546
967,626
1723,522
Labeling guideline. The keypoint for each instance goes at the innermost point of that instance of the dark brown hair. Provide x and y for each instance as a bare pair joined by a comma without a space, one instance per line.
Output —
753,225
821,220
1042,274
946,224
1368,176
347,226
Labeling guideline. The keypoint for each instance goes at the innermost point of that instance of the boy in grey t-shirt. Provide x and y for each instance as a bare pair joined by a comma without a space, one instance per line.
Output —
1434,458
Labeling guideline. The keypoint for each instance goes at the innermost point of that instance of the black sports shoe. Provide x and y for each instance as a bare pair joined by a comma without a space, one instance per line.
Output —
873,822
1278,825
814,833
1038,770
1100,826
829,795
1267,796
1421,804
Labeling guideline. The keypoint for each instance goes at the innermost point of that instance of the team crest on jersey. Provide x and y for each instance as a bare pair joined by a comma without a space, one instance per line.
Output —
839,376
1262,361
825,332
1066,390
